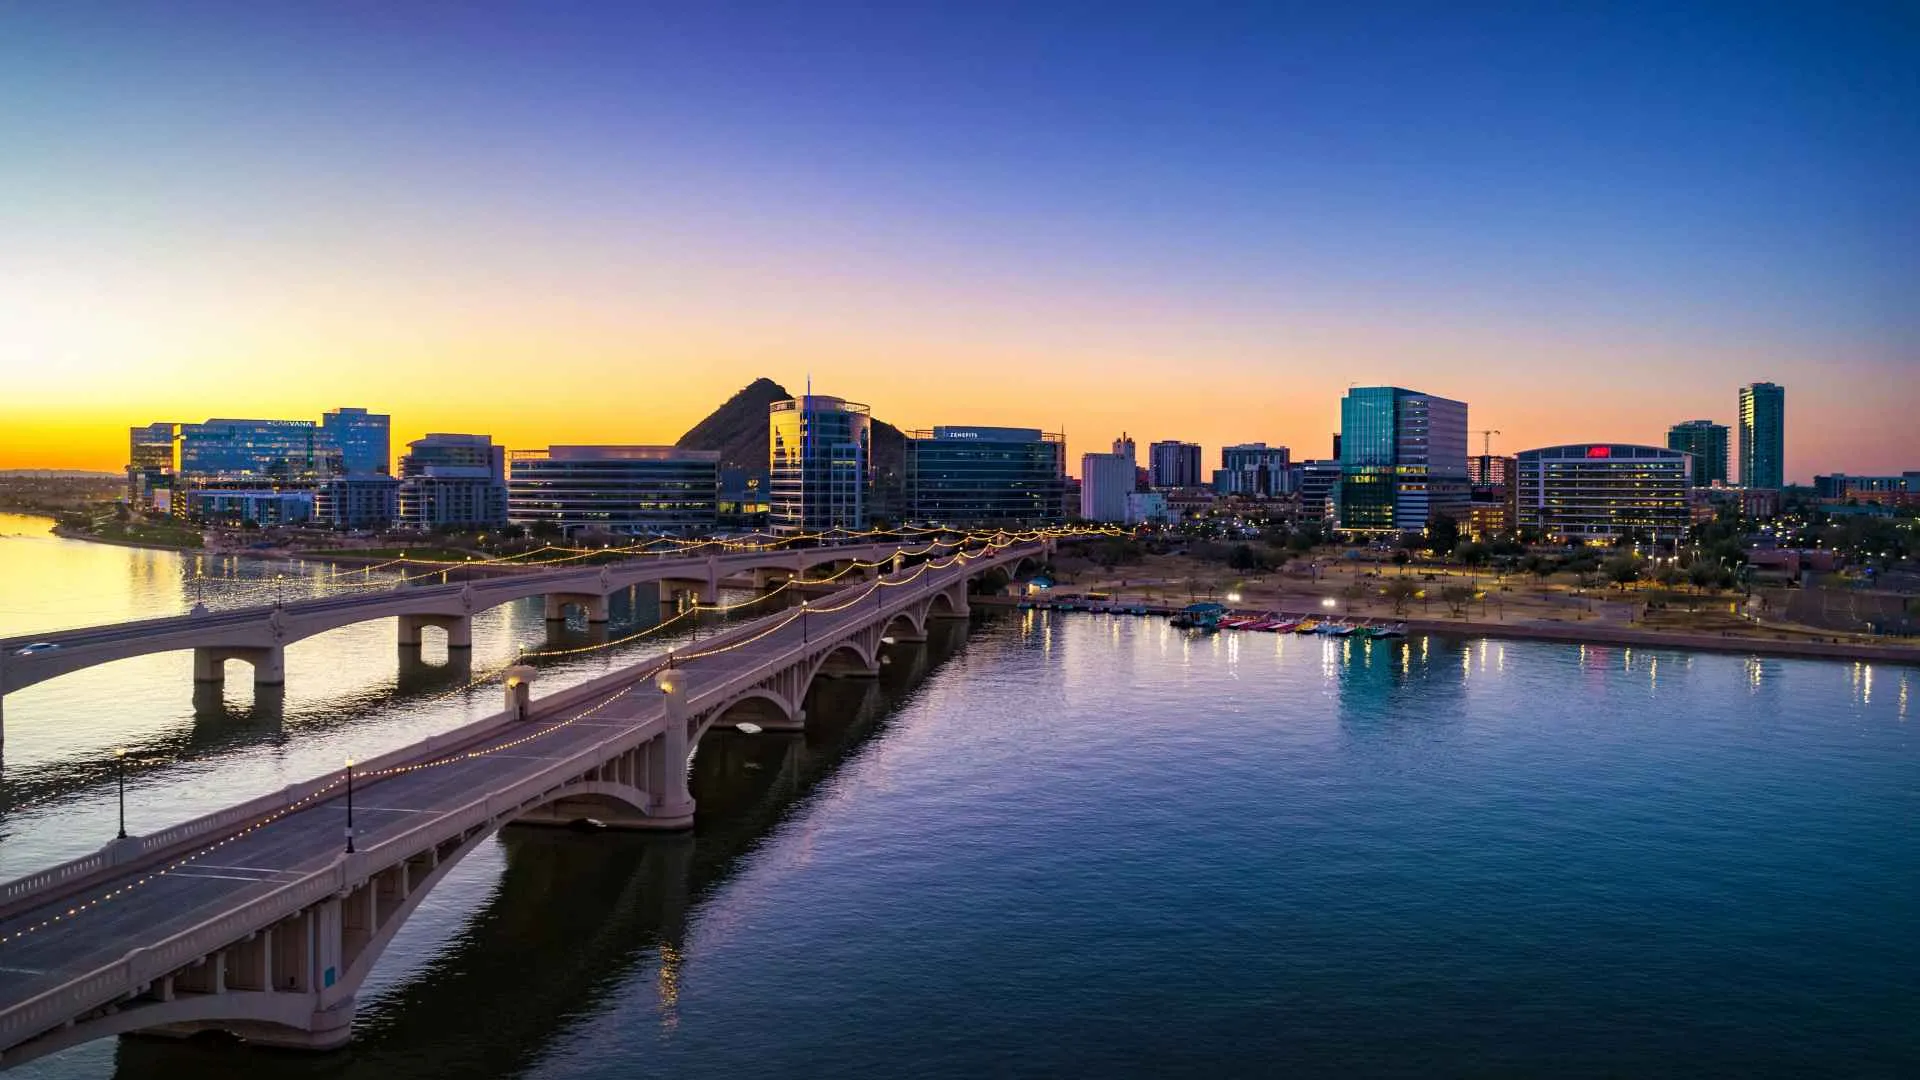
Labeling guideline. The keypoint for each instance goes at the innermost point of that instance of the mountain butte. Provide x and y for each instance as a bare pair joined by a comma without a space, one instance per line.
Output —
738,430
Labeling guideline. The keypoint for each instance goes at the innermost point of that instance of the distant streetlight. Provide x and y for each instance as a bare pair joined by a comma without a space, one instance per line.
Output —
803,622
120,771
349,806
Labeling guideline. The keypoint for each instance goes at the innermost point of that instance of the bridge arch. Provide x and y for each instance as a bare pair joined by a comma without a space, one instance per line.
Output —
297,1018
761,706
907,625
848,657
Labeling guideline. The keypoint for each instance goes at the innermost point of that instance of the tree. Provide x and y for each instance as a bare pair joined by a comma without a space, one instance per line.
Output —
1456,597
1401,592
1472,554
1443,535
1243,558
1621,569
1352,591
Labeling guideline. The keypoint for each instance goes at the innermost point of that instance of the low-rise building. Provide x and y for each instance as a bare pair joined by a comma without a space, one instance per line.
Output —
992,476
357,501
452,480
1599,492
624,490
1148,507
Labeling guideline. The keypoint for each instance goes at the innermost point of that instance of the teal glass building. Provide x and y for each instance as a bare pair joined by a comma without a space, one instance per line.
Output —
1403,460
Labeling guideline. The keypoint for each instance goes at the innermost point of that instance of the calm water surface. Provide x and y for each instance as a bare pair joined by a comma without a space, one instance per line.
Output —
1088,845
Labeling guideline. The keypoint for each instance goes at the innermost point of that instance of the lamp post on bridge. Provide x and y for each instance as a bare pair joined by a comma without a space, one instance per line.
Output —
120,773
803,620
349,806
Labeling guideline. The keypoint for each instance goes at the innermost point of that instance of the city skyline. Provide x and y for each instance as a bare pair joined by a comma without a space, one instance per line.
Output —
1589,230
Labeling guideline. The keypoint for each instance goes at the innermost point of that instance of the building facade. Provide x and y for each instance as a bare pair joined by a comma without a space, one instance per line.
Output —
622,490
1148,508
1319,484
820,454
450,480
363,439
1105,482
150,453
233,449
992,476
1255,469
357,501
1490,510
1763,435
1403,460
1600,492
1706,441
1173,464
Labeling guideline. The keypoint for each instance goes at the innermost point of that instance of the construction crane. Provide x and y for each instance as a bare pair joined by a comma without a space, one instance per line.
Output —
1486,441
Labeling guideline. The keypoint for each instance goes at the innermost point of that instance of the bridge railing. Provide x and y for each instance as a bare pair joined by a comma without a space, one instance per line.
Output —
141,966
78,873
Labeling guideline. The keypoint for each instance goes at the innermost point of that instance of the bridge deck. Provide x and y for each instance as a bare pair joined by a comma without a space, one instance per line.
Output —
250,863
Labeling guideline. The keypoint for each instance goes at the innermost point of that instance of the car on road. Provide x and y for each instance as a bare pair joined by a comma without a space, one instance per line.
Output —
36,647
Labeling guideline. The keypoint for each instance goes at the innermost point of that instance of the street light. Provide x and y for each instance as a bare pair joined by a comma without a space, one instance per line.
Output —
803,622
349,806
120,770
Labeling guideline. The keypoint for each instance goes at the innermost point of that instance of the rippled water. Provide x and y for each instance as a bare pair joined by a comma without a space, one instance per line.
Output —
1092,845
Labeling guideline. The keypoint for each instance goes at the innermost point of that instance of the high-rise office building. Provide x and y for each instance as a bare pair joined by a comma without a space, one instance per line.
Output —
994,476
453,479
362,438
1105,482
1403,460
820,454
150,466
1707,442
1603,491
629,490
1254,469
1763,416
1173,464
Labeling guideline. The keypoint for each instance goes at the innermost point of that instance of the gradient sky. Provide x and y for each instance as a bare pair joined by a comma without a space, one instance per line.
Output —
592,222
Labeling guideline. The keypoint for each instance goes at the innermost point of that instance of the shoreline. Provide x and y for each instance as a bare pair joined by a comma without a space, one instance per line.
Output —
65,533
1908,655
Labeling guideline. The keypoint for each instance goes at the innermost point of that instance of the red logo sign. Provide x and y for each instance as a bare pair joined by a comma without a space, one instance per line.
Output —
1599,451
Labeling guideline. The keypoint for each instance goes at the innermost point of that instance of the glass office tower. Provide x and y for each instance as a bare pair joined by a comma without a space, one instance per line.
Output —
819,458
362,438
1403,460
1707,442
1763,416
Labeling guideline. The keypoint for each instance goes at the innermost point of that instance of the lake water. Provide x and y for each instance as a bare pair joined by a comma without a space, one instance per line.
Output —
1093,845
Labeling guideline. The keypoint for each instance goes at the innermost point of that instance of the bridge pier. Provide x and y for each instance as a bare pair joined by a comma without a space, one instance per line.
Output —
269,663
595,605
672,803
459,630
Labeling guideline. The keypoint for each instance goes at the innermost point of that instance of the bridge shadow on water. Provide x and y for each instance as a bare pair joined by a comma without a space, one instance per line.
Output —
574,916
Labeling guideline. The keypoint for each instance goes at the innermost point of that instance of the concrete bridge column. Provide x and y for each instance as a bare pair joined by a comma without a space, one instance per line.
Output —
671,803
519,691
459,629
269,664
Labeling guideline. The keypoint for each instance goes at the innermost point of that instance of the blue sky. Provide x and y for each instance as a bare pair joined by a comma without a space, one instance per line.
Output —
1547,210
